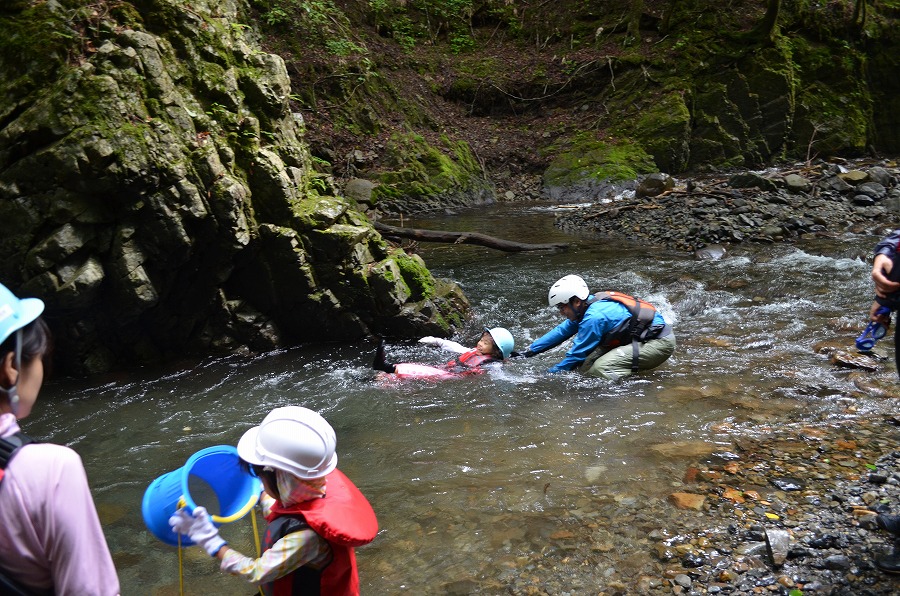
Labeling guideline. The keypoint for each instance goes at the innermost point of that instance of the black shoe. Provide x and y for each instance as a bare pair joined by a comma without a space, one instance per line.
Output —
888,523
378,363
888,563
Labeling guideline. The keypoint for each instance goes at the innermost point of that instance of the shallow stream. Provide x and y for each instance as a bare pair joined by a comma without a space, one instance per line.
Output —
486,480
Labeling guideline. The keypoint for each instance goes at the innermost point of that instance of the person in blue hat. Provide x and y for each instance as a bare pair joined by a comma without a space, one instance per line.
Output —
51,541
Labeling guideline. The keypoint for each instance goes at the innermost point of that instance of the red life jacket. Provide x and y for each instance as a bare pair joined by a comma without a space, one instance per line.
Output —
469,362
345,519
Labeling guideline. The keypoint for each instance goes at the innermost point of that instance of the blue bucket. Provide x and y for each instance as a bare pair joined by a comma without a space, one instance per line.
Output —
218,483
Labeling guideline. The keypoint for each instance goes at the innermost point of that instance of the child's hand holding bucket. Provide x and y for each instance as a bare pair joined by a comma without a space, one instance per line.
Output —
199,528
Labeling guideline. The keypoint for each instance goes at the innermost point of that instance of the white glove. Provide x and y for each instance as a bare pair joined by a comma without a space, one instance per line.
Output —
431,341
199,528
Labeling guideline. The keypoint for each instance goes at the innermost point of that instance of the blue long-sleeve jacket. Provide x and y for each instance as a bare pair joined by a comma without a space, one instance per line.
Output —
601,317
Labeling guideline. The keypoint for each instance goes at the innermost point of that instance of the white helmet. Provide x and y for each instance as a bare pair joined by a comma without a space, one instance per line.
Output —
503,340
566,288
294,439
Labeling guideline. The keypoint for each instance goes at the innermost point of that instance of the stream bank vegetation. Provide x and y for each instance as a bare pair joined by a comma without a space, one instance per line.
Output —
668,86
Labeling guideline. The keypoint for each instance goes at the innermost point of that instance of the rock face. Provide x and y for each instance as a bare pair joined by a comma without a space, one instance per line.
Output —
156,192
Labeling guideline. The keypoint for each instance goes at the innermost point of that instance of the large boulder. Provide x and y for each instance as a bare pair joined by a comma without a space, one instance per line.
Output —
156,192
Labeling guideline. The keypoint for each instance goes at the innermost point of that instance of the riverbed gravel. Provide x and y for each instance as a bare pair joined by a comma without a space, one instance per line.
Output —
791,511
776,205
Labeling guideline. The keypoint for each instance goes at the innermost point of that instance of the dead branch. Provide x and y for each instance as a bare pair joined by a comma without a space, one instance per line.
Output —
464,238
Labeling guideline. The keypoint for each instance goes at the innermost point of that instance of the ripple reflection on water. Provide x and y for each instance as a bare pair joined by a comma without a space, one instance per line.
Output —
488,479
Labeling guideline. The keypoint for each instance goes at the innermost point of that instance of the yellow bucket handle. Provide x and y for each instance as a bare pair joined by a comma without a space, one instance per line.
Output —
233,517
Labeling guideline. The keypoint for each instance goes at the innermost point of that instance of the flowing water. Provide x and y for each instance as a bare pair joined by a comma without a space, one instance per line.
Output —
473,478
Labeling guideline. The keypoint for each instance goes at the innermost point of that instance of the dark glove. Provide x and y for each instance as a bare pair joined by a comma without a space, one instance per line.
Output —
525,354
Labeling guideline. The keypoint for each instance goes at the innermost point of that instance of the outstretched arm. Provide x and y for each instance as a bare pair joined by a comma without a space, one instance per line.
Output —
444,344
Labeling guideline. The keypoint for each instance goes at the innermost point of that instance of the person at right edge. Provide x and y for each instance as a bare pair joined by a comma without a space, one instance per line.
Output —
887,287
316,514
616,335
887,294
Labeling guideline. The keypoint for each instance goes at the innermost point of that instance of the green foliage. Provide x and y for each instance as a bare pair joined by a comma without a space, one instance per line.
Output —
313,21
217,111
343,47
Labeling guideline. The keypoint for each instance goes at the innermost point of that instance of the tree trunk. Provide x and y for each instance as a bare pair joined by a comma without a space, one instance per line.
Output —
464,238
633,36
667,17
769,24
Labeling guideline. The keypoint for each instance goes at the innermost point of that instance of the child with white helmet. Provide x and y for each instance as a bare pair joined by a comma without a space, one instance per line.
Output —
316,514
494,346
51,541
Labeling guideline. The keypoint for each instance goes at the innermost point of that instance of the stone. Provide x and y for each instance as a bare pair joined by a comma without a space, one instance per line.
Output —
687,501
359,189
654,185
778,544
854,177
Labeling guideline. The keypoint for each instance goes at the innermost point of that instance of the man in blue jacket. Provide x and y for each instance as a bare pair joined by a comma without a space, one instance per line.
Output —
616,335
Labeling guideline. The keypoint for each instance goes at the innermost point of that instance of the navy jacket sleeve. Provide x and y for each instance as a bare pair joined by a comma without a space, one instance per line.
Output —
888,246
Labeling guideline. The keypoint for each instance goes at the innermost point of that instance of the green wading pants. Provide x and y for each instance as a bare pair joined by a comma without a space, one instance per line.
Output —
616,363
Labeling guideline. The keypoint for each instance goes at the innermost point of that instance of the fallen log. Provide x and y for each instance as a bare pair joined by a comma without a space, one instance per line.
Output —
464,238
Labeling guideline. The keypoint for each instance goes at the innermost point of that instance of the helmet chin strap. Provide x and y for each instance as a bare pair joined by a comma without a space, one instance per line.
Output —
12,393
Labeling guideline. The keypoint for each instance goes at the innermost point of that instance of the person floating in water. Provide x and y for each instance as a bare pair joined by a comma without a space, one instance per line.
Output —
615,334
494,346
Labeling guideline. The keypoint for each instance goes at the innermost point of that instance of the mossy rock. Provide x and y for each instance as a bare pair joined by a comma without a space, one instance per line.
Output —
590,166
428,178
664,130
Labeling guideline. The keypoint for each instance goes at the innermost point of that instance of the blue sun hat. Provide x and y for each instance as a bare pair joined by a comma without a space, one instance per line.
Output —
15,313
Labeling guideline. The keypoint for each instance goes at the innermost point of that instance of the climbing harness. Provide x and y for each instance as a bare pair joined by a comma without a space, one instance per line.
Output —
637,329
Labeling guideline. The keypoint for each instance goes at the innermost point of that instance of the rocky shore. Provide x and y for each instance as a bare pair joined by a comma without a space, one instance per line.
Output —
790,511
771,206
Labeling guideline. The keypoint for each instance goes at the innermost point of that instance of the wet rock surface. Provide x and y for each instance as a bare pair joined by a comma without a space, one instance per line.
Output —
822,199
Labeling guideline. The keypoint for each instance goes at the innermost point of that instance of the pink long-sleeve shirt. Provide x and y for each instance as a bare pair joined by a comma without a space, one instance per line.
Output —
50,535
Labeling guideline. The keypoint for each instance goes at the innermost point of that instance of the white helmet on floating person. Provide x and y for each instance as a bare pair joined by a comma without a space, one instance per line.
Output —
503,339
566,288
294,439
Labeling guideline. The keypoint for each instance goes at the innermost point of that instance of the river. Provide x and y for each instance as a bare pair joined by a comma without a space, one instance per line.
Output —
472,479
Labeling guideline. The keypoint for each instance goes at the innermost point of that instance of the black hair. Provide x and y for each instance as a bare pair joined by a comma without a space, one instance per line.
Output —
36,341
267,476
496,352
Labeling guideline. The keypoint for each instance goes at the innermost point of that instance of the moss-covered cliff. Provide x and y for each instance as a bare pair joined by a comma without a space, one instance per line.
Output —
156,191
529,84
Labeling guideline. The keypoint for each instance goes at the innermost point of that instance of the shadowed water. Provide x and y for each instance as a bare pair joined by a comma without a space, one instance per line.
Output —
480,481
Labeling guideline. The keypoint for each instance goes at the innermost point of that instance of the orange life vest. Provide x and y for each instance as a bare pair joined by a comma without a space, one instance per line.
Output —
469,362
633,328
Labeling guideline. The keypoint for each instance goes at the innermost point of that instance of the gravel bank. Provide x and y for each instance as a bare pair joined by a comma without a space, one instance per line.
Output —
772,206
